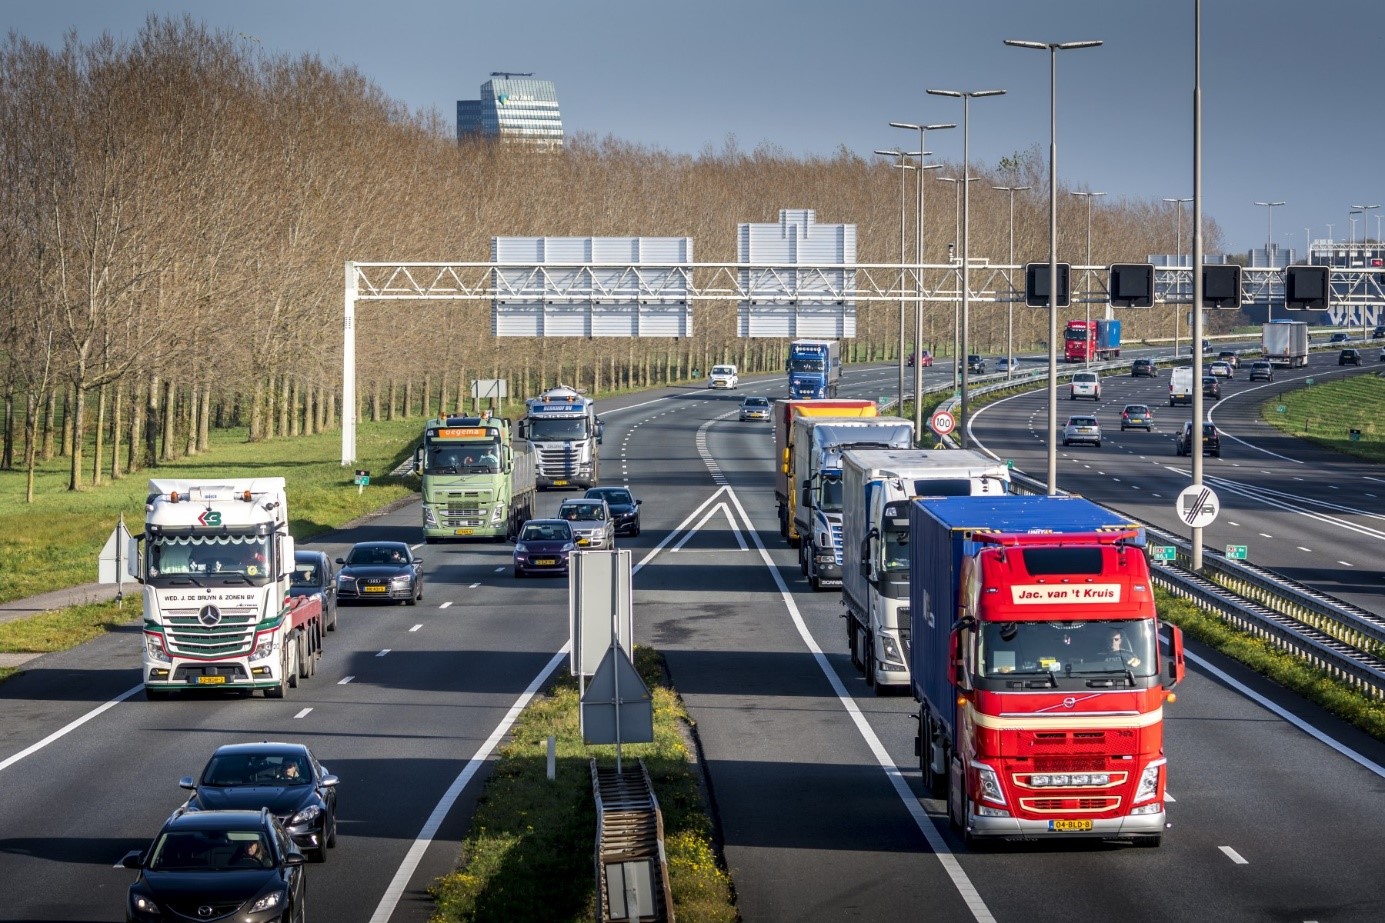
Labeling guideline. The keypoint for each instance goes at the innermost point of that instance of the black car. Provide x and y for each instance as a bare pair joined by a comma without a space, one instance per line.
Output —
218,865
1144,368
544,546
1340,338
1261,371
1211,387
313,572
1349,357
1211,439
285,778
625,509
380,570
1378,333
976,365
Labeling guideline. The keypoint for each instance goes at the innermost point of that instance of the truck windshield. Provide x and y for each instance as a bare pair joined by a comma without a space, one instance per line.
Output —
896,549
800,364
548,430
462,457
830,497
1067,649
208,560
1075,335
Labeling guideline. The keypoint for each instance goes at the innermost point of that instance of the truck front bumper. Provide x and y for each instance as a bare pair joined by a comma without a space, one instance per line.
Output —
1115,828
219,675
581,480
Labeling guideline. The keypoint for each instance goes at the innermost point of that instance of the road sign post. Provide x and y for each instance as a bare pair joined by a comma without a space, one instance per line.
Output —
1163,552
1197,506
942,423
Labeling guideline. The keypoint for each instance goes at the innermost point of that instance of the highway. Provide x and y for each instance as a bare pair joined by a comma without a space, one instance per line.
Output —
1275,813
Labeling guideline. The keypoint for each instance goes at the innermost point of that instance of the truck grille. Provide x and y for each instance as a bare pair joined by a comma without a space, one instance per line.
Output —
558,460
837,542
233,635
1074,743
1071,805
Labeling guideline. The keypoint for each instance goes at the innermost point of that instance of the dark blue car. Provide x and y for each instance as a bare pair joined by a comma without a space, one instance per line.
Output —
544,547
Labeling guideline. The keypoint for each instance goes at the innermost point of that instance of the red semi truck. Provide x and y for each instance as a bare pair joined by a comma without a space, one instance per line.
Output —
1036,664
1097,339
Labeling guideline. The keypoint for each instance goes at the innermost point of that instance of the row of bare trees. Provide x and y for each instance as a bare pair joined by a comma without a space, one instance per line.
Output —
175,212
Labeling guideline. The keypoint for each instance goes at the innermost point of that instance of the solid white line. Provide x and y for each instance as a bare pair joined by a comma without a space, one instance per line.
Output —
925,824
303,714
390,900
383,653
70,727
1233,855
415,628
344,680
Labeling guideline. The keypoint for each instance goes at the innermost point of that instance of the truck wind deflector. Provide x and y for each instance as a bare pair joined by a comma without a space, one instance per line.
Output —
1011,539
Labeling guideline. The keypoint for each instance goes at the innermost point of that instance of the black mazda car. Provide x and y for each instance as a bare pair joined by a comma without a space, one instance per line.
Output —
283,777
218,865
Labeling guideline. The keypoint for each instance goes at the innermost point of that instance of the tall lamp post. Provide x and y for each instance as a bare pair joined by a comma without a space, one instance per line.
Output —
956,305
904,167
966,96
1010,307
1363,209
1269,260
1351,216
918,260
1052,48
1178,246
1087,353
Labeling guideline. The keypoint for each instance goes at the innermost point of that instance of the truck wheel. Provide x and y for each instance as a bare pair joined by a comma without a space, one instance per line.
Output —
279,691
851,642
803,559
291,672
783,524
868,644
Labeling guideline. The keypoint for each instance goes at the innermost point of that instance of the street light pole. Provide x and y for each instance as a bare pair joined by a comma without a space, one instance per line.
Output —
904,166
918,270
1087,352
1269,260
1010,306
1053,48
1351,216
956,305
1178,245
966,96
1363,209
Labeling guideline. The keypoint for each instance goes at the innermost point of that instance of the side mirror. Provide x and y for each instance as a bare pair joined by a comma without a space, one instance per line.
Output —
133,860
1174,667
418,560
956,672
418,461
341,560
639,502
328,781
187,782
294,859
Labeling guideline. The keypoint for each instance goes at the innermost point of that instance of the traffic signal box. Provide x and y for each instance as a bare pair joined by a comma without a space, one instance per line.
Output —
1131,285
1036,285
1221,287
1306,288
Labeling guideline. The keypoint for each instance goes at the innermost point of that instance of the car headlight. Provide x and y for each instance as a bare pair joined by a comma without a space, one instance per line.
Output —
143,903
346,583
988,783
401,580
269,901
521,549
305,816
1149,782
155,646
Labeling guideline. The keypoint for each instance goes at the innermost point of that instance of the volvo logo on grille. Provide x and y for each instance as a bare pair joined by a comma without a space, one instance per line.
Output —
209,616
206,910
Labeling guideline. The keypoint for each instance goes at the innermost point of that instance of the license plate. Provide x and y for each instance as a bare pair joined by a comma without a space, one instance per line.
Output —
463,531
583,541
560,483
374,589
210,680
543,561
1070,826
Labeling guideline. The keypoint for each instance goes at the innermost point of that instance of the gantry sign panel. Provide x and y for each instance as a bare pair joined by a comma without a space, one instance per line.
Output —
592,286
804,283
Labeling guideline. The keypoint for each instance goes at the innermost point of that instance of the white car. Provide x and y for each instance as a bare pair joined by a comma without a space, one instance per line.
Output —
1219,369
724,376
1085,384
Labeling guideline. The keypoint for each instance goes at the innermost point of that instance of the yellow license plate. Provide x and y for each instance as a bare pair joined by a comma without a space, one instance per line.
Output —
560,483
210,680
1070,826
542,561
374,589
583,541
463,531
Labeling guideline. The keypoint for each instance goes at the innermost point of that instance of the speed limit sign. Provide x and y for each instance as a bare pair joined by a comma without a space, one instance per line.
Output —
942,423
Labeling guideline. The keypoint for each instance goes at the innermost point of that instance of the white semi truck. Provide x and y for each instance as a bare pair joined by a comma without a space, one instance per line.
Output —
1285,343
818,475
565,431
876,489
216,562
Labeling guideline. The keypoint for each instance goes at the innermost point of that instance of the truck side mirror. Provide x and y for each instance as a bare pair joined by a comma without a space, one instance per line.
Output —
956,671
522,427
286,549
1174,667
600,431
418,461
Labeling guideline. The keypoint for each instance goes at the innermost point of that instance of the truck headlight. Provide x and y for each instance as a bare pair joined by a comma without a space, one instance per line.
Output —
891,648
430,519
988,783
499,513
1149,781
154,644
264,647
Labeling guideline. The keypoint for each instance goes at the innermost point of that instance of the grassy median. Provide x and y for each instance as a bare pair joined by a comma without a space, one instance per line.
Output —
1327,413
530,852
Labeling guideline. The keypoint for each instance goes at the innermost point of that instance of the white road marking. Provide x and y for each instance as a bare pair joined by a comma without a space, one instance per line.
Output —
1236,524
415,628
1233,855
499,569
1266,535
449,602
1309,550
383,653
70,727
344,680
303,714
1346,564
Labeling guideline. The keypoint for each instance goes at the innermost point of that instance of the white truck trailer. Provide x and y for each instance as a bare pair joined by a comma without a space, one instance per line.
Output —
876,489
1285,343
818,475
216,562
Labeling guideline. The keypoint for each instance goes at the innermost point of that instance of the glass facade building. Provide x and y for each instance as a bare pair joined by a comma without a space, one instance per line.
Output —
513,109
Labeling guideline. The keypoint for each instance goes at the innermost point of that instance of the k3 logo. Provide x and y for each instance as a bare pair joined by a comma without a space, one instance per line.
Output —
209,518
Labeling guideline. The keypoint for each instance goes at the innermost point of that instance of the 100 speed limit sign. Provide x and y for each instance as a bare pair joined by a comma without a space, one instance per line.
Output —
942,423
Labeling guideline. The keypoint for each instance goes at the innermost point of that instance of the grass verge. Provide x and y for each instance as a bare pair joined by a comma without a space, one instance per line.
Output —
1326,413
64,629
529,854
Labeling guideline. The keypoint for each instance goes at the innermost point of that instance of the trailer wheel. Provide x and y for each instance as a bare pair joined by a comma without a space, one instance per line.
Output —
930,779
305,656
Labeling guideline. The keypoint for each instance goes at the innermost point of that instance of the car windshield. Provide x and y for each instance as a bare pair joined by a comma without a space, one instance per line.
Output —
378,555
615,495
1082,421
582,512
1139,409
215,850
546,532
755,402
229,770
1084,377
723,370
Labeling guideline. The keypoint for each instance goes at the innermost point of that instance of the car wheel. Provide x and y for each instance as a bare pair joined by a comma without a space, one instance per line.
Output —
518,573
332,625
1098,444
332,832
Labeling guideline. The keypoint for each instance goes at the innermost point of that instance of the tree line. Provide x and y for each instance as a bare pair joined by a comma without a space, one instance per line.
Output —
176,210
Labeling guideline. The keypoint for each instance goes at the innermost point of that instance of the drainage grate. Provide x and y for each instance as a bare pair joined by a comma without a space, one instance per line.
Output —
631,869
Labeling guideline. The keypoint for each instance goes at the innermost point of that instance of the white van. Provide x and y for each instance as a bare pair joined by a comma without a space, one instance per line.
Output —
724,376
1085,384
1181,385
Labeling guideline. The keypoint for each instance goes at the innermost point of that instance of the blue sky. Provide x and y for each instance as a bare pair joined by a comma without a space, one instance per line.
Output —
1291,92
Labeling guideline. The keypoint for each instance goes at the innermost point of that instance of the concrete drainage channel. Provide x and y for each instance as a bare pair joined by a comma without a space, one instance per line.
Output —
631,868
